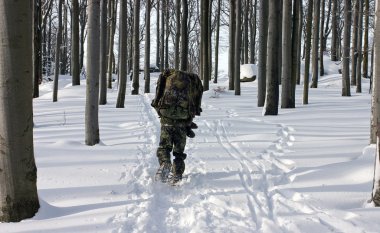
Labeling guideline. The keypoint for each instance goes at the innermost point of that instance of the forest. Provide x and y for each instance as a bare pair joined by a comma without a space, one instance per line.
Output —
288,139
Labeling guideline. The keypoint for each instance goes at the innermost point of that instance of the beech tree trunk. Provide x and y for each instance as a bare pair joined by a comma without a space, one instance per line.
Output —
158,33
57,52
321,39
273,68
103,53
375,116
162,45
247,8
231,49
366,31
307,52
37,47
75,70
346,49
185,37
217,42
177,34
238,47
92,79
252,22
317,11
18,172
262,56
358,74
123,58
147,48
111,29
286,96
334,31
354,48
204,44
136,48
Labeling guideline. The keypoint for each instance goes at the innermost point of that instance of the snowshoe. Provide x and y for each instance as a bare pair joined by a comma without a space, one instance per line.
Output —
175,180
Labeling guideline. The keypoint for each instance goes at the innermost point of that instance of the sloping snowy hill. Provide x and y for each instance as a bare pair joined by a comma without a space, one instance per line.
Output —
306,170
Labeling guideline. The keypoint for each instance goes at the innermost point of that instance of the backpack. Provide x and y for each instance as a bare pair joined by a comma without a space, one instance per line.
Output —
178,95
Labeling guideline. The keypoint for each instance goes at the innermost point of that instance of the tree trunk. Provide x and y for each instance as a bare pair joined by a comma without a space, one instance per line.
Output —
111,30
231,49
307,52
262,56
299,36
18,172
366,31
167,26
217,42
252,22
204,43
375,116
162,45
238,46
346,49
279,44
334,31
321,67
57,52
177,34
103,53
83,23
354,51
209,37
273,72
92,79
147,48
358,74
37,47
75,71
327,29
286,94
63,50
185,37
247,8
123,58
136,48
317,9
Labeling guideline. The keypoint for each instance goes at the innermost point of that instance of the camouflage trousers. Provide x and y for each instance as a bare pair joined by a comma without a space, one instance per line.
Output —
173,138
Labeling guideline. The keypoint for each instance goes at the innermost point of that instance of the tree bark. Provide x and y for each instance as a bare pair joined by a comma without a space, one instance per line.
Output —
247,8
307,53
262,56
375,116
37,47
273,72
136,48
317,9
217,42
358,74
123,58
321,39
204,43
75,71
354,48
177,34
346,49
63,50
299,36
92,79
238,44
147,48
366,31
57,52
185,36
18,172
162,45
111,30
252,22
231,49
103,53
286,94
158,33
167,26
334,31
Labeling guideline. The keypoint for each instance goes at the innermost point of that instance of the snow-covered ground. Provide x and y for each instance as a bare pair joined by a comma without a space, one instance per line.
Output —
308,169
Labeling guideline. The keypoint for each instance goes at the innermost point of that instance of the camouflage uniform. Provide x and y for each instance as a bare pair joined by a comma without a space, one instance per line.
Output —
173,138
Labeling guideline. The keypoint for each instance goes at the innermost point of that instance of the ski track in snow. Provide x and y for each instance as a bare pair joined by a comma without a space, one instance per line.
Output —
194,206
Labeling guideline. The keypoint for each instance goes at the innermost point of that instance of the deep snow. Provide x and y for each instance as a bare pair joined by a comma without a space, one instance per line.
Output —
309,169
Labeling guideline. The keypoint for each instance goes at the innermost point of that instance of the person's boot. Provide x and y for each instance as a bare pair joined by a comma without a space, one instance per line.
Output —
177,170
189,132
163,172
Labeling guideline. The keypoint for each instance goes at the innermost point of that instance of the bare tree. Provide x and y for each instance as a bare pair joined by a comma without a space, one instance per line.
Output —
75,71
252,22
18,172
185,36
37,47
375,116
317,13
238,44
273,68
286,94
204,44
122,54
158,33
147,47
162,45
103,53
334,31
262,56
346,49
231,49
307,52
57,52
92,79
136,48
217,42
177,34
112,5
366,31
354,48
321,39
358,74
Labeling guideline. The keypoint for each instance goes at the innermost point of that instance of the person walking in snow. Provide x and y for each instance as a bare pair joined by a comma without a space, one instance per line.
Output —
177,102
